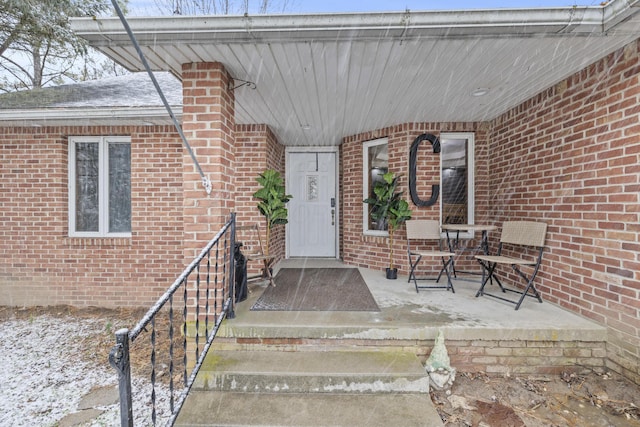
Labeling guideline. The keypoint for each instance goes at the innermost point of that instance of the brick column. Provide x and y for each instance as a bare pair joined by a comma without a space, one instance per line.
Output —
209,124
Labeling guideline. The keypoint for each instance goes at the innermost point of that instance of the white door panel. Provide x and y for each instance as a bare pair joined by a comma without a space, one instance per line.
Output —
312,218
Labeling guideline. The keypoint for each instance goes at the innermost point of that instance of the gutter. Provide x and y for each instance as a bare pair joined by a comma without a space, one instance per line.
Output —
350,26
618,12
80,116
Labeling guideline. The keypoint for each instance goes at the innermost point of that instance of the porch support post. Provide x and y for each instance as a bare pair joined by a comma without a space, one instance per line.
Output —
209,125
208,121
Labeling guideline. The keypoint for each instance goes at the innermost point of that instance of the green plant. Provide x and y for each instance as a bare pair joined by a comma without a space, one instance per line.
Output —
272,201
108,327
388,207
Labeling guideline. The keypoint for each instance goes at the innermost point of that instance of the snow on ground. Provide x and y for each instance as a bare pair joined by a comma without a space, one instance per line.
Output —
43,377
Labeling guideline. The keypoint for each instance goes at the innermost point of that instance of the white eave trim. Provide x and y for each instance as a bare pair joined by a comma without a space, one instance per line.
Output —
351,26
81,115
619,11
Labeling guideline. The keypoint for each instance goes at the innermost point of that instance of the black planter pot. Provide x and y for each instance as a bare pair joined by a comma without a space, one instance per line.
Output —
392,273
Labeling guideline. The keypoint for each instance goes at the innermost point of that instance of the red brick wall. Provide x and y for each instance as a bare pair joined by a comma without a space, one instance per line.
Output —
251,153
257,149
571,157
372,251
41,265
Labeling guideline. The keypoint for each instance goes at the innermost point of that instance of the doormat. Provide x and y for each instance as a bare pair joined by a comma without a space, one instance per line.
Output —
317,289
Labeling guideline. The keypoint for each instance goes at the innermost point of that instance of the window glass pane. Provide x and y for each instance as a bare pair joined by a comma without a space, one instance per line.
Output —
119,187
378,165
455,166
87,201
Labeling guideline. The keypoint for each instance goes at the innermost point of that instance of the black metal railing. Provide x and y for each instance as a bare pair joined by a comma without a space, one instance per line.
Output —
205,297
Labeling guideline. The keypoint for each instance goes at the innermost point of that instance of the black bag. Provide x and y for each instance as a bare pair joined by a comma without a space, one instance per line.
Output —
240,273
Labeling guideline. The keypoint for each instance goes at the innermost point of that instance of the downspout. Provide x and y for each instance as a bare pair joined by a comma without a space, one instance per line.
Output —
206,182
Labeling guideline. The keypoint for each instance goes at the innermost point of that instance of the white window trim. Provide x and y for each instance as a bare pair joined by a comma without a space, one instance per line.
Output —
470,137
365,186
103,184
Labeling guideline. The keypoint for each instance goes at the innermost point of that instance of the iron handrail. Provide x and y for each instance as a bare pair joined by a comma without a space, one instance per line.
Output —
119,357
142,324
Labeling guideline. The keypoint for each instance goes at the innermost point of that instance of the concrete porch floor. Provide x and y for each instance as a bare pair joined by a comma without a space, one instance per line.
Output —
407,315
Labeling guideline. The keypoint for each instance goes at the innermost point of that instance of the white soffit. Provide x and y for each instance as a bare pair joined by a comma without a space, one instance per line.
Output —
320,78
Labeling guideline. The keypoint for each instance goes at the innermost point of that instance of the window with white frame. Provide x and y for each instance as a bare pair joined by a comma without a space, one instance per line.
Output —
457,177
375,160
99,186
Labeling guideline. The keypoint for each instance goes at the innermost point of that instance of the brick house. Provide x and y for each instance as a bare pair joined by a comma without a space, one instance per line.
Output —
537,111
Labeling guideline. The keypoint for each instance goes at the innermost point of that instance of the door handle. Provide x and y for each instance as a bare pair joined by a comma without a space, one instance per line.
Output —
333,217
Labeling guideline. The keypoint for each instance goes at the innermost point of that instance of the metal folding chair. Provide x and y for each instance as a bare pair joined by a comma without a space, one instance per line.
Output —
426,233
524,237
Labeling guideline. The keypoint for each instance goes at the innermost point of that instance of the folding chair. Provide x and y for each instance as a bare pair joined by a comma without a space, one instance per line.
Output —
251,243
427,232
522,236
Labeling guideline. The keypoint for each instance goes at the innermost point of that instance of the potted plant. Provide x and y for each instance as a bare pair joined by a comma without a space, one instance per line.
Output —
272,201
389,209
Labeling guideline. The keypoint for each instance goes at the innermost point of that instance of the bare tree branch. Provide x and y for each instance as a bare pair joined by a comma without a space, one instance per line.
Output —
215,7
37,46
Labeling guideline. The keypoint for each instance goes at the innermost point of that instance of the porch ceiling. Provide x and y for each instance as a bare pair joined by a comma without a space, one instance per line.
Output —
320,78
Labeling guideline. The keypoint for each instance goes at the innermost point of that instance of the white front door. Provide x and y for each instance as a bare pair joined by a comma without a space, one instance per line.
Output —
313,212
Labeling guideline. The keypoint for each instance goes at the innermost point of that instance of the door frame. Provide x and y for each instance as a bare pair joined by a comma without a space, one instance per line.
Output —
315,149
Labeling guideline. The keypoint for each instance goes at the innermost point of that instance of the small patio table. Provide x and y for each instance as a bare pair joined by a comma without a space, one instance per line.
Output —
454,243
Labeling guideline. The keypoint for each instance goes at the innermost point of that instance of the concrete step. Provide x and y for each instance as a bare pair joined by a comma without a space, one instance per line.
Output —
344,371
214,408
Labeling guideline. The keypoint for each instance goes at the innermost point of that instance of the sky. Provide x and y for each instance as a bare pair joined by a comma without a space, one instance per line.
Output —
149,7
